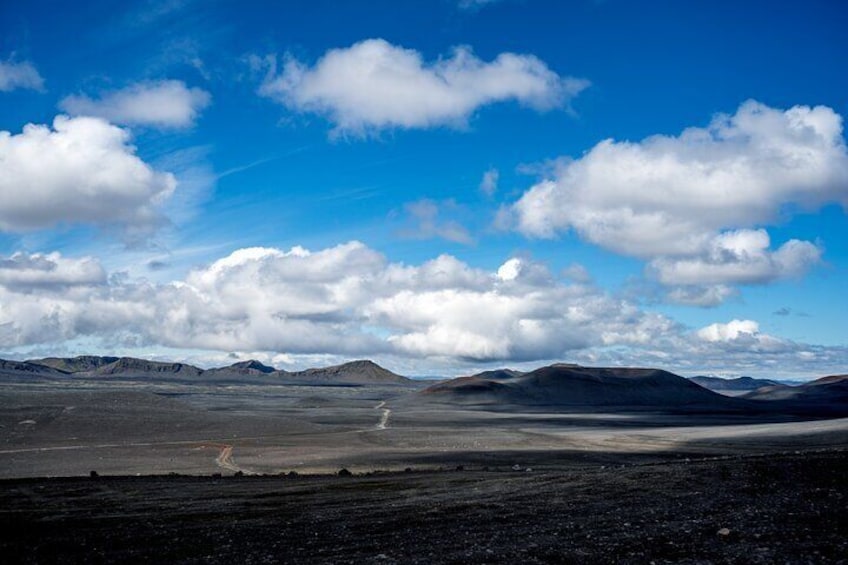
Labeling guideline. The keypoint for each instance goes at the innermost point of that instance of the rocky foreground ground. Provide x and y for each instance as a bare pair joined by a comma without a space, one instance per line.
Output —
780,508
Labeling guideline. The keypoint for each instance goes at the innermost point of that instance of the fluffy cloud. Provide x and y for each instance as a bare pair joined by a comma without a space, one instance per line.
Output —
23,272
374,85
348,301
743,335
733,330
343,300
741,256
671,195
688,202
162,104
82,170
19,75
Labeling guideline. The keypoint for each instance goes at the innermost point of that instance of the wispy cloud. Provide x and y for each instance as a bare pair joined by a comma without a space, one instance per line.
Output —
23,74
489,183
424,221
162,104
475,4
260,162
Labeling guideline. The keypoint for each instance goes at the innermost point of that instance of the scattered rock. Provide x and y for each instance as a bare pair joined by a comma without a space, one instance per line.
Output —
345,473
723,532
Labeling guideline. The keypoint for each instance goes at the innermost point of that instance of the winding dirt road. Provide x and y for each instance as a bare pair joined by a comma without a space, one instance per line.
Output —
384,418
225,460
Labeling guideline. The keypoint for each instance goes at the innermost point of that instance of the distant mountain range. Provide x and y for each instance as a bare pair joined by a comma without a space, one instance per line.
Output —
352,373
559,385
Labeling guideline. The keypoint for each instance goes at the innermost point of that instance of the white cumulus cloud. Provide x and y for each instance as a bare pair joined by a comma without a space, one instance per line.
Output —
744,335
374,85
671,195
80,170
19,75
689,203
740,257
161,104
732,330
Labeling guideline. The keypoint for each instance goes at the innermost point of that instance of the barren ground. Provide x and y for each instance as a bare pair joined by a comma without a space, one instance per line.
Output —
781,508
541,486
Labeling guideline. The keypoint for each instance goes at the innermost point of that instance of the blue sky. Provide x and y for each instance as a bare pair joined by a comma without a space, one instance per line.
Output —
442,186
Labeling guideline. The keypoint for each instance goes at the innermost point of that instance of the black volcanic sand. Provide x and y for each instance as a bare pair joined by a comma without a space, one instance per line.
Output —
607,484
785,507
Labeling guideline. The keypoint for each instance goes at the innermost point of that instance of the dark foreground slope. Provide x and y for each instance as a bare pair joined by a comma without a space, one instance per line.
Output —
787,508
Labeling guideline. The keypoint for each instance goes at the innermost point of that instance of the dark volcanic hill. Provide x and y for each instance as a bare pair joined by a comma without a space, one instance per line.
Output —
241,369
570,385
354,372
470,387
738,384
827,393
131,366
498,374
829,380
28,368
78,364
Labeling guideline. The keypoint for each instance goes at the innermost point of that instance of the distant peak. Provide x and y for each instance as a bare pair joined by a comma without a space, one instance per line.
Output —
360,363
253,364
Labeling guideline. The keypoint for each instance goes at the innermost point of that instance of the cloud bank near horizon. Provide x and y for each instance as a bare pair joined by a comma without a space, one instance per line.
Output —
350,301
